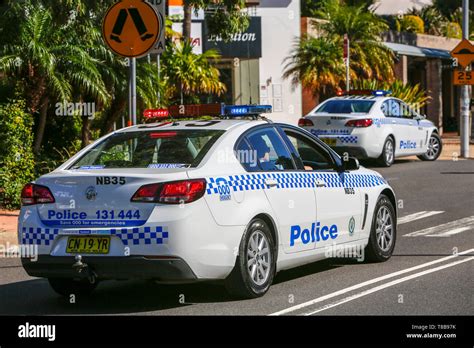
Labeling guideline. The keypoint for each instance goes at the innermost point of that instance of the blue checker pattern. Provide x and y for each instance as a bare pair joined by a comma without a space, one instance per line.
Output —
348,140
38,236
142,235
252,182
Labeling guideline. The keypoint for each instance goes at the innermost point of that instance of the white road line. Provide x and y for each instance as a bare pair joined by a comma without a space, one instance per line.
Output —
450,233
389,284
368,282
435,231
417,216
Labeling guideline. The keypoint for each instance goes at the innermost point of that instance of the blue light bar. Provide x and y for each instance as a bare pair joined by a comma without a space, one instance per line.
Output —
246,110
381,93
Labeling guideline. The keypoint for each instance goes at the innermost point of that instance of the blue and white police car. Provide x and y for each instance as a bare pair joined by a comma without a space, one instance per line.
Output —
231,199
371,124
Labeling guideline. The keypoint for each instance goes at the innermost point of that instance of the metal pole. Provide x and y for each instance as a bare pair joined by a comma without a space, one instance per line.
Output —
133,83
347,58
465,110
130,87
158,64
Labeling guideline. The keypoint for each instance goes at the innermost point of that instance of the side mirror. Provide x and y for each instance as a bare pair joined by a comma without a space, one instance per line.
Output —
352,163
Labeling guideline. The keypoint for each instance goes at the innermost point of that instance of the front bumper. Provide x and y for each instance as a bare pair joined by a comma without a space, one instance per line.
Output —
170,269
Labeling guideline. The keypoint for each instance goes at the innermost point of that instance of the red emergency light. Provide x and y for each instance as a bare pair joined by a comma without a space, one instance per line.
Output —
156,113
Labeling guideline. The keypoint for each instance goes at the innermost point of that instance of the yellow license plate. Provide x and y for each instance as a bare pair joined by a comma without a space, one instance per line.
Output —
88,245
329,141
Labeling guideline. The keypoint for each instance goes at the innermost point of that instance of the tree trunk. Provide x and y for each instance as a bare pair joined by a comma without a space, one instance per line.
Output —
116,109
41,126
187,20
85,131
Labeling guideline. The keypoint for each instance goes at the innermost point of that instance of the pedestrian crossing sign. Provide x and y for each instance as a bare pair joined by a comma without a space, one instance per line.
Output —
131,28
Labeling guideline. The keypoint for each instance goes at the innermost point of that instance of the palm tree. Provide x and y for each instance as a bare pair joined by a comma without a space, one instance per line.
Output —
48,61
188,73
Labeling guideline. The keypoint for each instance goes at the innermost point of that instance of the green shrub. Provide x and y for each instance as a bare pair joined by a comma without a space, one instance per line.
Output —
453,30
412,24
16,154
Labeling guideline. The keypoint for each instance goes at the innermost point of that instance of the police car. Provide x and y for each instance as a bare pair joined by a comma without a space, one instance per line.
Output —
230,198
370,124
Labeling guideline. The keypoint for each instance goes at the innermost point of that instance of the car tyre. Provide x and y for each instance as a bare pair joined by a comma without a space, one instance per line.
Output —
387,157
67,286
435,146
383,231
255,265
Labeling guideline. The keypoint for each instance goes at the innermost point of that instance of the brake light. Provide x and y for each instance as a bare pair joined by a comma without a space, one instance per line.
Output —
305,122
360,123
175,192
36,194
163,135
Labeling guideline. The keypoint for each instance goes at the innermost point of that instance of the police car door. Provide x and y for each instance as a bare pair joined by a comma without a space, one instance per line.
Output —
418,135
338,198
292,200
398,126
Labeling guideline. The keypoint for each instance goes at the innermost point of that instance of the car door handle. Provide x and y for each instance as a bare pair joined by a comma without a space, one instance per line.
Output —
320,183
271,182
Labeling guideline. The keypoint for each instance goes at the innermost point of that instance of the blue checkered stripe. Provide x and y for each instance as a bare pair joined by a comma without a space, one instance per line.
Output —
142,235
252,182
348,140
38,236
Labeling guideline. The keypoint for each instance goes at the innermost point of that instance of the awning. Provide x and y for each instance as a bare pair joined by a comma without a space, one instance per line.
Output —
416,51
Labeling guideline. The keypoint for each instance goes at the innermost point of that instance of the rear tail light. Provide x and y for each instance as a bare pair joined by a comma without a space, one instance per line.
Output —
305,122
175,192
365,122
36,194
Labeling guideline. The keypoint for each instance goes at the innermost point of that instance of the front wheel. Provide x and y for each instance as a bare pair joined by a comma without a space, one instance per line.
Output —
435,146
387,157
383,232
255,266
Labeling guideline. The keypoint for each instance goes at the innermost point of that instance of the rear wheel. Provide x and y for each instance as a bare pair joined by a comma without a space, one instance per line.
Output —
67,287
435,146
387,157
255,266
383,232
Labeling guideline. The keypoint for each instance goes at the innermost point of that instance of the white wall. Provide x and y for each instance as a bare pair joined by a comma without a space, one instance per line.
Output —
280,27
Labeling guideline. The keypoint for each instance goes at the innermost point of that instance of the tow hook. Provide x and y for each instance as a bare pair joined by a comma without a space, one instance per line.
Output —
84,269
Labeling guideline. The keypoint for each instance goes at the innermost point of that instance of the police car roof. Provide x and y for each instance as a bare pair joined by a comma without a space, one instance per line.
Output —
216,124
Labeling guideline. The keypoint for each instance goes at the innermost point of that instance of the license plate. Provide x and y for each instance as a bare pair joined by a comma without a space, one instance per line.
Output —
88,245
329,141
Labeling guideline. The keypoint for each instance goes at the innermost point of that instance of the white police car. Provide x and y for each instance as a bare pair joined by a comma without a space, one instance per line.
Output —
181,201
373,126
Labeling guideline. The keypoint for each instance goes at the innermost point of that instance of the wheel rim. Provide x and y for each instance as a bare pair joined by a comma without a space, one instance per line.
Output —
389,151
258,258
433,147
384,229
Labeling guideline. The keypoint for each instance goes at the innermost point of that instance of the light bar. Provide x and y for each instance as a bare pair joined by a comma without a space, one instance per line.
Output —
381,93
246,110
377,93
195,110
156,113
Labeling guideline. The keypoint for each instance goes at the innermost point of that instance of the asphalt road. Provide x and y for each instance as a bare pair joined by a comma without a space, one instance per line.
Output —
423,277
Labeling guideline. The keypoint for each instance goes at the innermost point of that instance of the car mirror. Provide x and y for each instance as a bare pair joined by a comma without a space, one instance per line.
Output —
352,163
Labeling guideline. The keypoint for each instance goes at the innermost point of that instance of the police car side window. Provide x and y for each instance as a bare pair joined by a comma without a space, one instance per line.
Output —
391,108
313,157
268,152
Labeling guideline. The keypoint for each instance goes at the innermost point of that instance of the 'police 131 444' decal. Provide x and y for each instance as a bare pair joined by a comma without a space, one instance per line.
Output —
314,234
98,218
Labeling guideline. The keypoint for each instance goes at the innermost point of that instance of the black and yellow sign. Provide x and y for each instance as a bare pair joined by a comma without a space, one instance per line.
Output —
463,77
131,28
464,53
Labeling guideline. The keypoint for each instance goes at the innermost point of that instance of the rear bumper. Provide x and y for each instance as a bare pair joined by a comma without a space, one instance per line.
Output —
131,267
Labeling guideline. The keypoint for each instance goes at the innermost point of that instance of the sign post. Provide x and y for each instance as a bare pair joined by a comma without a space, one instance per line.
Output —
347,61
131,28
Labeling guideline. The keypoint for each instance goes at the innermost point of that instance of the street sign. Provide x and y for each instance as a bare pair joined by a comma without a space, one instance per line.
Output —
160,8
131,28
464,53
463,78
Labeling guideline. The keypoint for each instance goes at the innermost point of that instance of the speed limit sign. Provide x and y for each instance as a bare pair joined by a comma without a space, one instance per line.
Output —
463,77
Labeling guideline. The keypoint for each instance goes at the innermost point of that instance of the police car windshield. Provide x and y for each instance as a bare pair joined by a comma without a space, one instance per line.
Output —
345,106
150,149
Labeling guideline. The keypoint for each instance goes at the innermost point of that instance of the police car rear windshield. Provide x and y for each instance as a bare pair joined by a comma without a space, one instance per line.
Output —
345,106
150,149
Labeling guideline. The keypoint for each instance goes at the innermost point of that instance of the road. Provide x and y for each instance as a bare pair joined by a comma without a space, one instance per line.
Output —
422,278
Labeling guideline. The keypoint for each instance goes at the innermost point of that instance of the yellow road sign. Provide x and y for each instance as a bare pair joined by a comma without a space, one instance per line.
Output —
464,53
131,28
463,77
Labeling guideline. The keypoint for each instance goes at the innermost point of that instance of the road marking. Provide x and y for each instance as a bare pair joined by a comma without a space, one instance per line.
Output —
386,285
368,282
445,230
417,216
